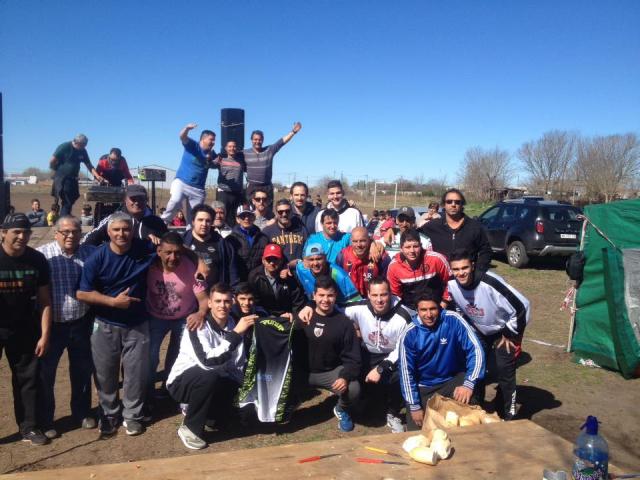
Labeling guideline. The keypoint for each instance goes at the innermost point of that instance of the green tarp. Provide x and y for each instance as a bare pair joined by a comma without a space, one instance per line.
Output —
606,319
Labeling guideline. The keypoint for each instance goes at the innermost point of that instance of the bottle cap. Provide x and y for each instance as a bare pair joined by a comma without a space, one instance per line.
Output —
591,425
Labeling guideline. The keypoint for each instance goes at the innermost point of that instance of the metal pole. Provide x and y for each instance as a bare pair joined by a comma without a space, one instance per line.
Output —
395,197
375,193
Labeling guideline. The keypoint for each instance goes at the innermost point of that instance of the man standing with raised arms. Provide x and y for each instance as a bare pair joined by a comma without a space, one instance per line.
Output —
192,174
259,160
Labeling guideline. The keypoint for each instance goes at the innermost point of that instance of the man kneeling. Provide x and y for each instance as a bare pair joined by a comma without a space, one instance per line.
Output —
208,371
439,353
333,351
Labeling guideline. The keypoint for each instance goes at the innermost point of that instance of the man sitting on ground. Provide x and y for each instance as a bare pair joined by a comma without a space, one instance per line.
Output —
499,313
381,320
439,353
209,368
357,261
333,351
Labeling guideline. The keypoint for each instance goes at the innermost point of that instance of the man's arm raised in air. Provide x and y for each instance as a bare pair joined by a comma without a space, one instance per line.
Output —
184,133
296,128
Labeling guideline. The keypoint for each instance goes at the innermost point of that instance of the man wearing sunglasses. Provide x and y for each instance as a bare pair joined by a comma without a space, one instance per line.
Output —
455,230
247,240
288,232
262,208
146,225
71,328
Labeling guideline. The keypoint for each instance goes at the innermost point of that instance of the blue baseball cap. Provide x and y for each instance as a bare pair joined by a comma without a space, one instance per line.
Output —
313,249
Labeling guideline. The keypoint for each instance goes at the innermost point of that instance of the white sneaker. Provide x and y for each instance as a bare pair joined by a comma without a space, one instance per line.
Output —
394,423
190,439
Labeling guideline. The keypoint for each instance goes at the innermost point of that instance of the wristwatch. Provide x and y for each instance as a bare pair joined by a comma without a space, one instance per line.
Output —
380,369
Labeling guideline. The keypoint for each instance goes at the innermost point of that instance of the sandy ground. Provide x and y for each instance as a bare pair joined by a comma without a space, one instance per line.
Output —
552,391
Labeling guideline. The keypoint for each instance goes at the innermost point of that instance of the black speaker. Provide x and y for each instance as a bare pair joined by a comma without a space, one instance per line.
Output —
232,127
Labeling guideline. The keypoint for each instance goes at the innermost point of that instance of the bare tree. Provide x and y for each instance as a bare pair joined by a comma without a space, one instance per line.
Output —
485,171
606,164
549,160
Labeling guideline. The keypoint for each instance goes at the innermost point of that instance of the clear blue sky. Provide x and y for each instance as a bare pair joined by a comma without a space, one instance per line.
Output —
382,89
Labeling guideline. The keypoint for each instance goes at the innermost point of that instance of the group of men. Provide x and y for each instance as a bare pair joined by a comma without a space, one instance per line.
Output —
426,320
411,313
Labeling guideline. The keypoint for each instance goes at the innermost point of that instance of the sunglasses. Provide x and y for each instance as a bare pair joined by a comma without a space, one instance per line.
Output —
284,212
245,216
260,199
453,202
272,259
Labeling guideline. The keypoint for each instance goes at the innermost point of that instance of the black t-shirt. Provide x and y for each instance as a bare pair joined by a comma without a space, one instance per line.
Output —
20,278
209,252
331,342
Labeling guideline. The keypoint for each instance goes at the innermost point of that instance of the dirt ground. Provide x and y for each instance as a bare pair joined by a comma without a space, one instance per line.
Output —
553,391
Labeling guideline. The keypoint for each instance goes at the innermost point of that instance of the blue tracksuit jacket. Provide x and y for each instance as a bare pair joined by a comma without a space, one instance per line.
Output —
432,356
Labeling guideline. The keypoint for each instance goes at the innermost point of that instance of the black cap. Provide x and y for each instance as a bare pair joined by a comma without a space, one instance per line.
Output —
16,220
407,212
136,190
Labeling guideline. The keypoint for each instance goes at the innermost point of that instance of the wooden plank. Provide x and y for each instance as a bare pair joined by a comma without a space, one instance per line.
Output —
519,449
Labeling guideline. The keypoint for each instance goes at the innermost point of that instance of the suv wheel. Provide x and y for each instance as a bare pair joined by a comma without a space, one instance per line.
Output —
517,254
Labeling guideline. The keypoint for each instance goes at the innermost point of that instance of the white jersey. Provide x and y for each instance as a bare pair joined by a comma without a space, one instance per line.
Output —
350,218
211,347
492,305
380,334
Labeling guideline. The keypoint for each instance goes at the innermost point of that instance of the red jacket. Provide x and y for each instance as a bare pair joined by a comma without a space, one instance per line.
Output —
361,272
433,271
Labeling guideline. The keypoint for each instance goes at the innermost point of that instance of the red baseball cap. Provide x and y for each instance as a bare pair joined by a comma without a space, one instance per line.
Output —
272,250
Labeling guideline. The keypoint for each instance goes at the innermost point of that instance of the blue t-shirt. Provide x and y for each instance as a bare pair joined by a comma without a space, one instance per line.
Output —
109,273
331,246
347,291
194,165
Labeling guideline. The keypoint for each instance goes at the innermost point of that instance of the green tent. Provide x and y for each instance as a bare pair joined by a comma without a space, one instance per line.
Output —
607,319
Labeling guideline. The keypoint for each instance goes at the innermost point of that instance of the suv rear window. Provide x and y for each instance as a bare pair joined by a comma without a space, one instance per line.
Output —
561,213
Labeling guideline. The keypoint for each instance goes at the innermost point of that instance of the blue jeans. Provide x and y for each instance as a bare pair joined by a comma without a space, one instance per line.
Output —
158,329
75,338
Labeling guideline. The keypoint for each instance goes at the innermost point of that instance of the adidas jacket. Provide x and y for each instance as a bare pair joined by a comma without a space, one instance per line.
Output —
492,305
432,356
380,334
211,348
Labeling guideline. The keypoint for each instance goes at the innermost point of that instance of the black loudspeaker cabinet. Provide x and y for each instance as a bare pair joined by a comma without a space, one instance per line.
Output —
232,127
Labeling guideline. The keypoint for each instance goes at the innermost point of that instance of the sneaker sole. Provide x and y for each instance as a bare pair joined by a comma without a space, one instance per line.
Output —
132,433
186,443
31,442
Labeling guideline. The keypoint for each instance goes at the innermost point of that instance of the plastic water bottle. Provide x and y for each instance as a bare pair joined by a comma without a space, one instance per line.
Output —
591,453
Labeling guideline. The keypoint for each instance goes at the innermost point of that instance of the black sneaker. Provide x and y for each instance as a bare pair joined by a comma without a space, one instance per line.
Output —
34,437
108,426
133,427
